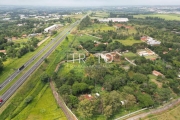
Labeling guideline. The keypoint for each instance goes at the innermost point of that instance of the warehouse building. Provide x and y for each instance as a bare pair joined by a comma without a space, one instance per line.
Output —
114,20
51,28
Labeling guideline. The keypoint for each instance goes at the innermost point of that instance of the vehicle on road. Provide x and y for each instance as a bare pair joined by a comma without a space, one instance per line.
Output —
21,68
1,100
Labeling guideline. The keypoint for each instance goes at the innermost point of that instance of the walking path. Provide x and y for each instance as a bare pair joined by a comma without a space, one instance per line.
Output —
152,111
69,114
41,42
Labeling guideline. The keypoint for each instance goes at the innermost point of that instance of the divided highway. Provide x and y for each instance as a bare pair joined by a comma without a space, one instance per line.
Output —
32,59
22,79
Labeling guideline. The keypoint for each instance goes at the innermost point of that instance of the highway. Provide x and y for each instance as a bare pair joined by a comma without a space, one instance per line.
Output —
17,72
23,78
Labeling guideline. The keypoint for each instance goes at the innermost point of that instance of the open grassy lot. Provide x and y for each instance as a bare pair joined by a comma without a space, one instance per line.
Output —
99,27
43,107
164,16
101,14
129,42
130,55
172,114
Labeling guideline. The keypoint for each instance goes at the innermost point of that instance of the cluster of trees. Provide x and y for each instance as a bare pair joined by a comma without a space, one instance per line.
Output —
18,50
85,23
118,85
132,86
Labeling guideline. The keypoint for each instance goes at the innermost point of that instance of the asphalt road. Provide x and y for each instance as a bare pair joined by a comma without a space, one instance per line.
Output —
23,78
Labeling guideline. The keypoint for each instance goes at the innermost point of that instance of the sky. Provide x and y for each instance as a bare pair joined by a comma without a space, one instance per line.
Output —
89,2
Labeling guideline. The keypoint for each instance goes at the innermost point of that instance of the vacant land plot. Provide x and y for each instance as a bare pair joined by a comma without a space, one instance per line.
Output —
129,42
46,108
99,28
163,16
173,114
101,14
130,55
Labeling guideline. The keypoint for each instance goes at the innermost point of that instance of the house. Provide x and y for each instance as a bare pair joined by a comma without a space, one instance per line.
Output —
114,20
86,96
14,38
165,52
3,51
24,36
144,38
156,73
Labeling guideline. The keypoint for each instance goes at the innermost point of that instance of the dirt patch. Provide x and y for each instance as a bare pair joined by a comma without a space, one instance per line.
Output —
159,84
41,42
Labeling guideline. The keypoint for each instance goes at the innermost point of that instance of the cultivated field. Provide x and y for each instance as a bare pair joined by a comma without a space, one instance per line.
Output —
164,16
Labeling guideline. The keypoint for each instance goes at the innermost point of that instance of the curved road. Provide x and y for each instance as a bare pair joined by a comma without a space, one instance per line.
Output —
22,79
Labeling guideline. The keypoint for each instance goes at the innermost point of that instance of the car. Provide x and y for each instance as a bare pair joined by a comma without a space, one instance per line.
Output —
1,100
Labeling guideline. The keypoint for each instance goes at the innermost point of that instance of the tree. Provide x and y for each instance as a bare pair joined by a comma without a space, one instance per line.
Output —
139,78
86,108
108,110
45,78
1,65
144,100
78,88
65,89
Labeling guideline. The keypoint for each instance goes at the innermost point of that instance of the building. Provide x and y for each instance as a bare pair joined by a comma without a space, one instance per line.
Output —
51,28
152,42
114,20
156,73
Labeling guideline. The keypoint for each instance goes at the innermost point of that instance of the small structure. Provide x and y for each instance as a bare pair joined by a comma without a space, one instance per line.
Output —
156,73
179,76
97,94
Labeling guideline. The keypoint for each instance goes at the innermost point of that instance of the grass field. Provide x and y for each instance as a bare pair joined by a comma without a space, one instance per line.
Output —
129,42
43,107
101,14
164,16
99,27
130,55
172,114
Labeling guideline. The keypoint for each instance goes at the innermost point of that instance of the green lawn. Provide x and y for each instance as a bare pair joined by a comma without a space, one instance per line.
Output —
46,108
99,27
129,42
130,55
101,14
164,16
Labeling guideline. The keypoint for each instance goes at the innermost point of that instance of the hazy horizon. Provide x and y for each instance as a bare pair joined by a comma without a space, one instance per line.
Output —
88,2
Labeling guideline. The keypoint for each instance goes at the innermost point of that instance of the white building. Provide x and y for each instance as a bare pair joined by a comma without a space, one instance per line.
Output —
114,20
51,28
151,41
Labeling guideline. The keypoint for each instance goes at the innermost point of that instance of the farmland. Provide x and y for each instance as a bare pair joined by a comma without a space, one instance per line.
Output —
163,16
